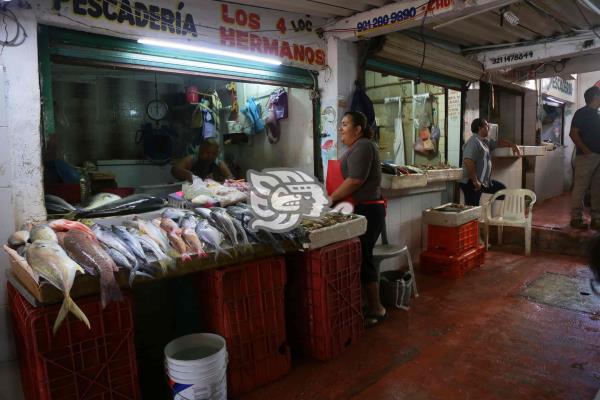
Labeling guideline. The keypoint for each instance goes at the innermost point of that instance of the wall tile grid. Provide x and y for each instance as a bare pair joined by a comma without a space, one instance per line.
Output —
404,224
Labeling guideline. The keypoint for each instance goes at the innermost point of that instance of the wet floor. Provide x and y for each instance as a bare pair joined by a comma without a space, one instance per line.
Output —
473,338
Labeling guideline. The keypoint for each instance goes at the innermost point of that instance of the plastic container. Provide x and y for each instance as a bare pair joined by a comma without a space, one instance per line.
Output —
449,215
453,240
244,303
196,366
326,311
395,288
453,266
77,362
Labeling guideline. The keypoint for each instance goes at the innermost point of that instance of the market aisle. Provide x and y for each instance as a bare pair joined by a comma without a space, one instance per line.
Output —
473,338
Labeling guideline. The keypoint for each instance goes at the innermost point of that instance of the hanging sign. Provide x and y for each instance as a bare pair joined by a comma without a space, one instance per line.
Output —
292,38
559,88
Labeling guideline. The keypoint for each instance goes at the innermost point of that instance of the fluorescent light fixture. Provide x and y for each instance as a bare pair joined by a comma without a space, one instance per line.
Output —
208,50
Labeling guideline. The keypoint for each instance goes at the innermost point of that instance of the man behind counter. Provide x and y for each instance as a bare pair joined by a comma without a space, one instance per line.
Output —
203,165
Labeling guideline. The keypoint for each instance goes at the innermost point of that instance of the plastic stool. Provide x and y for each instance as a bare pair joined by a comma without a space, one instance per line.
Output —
385,250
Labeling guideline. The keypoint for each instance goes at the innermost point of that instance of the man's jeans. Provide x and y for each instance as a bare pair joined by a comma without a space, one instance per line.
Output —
586,175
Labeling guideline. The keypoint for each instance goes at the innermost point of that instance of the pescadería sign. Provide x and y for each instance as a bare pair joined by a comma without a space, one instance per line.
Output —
293,38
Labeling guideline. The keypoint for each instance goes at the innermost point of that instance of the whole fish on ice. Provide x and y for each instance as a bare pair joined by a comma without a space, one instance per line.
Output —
50,261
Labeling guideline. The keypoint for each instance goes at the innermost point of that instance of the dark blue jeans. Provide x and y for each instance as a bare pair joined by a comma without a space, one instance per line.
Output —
473,196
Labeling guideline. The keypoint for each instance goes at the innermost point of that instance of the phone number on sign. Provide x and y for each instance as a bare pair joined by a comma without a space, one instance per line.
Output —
383,20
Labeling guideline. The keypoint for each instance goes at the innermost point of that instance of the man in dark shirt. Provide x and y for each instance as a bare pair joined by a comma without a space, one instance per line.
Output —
585,132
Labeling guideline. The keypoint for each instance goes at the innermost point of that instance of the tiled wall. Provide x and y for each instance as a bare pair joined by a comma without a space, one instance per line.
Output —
404,224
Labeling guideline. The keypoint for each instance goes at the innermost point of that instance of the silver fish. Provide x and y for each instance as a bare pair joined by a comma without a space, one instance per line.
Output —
111,240
150,245
118,257
210,235
173,213
130,241
101,199
188,222
154,232
50,261
56,205
221,217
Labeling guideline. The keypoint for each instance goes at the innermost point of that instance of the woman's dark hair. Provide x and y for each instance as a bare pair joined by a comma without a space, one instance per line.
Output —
476,124
360,119
591,93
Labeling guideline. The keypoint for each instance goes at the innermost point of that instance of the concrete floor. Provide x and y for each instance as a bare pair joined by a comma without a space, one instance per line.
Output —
473,338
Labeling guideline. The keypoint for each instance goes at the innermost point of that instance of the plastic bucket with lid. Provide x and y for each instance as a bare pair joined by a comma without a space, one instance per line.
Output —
196,366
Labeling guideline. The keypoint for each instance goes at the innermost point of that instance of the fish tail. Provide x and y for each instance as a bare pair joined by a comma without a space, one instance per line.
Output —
69,305
109,289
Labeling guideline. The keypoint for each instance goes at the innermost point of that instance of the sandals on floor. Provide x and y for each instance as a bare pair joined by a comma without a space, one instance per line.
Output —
373,319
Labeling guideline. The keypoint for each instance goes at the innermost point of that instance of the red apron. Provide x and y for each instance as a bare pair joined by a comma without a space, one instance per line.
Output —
335,179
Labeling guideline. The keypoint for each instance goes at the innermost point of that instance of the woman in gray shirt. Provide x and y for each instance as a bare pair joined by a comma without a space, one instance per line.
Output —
361,169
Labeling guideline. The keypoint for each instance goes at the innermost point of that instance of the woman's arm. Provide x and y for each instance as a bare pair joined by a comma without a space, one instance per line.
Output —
349,186
182,169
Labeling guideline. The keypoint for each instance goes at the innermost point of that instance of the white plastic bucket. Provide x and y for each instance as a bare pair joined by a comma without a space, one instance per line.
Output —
196,366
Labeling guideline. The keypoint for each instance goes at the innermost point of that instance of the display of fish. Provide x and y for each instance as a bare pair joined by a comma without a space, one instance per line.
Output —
42,232
101,199
242,233
154,232
193,242
173,213
91,256
149,245
132,243
210,235
108,238
118,257
188,221
137,203
168,225
64,225
223,220
56,205
179,245
51,262
18,238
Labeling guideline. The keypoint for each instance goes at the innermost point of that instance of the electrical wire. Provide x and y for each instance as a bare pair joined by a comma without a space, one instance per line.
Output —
418,80
20,35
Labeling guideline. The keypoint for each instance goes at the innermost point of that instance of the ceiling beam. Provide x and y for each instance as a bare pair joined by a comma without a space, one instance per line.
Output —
384,20
518,56
575,65
300,7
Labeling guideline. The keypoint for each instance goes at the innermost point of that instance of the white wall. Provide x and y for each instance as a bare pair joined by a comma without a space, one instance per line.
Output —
294,149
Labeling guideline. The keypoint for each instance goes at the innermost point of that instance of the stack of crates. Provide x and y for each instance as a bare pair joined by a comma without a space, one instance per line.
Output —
244,303
325,312
76,363
452,251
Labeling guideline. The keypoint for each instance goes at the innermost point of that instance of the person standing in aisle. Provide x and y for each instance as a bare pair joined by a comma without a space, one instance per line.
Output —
477,163
585,132
361,171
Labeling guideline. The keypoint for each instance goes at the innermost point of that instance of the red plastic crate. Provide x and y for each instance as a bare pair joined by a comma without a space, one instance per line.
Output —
453,240
328,311
452,266
76,363
245,304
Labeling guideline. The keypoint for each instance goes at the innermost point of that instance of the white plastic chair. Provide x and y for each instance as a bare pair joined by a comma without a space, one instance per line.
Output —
511,213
